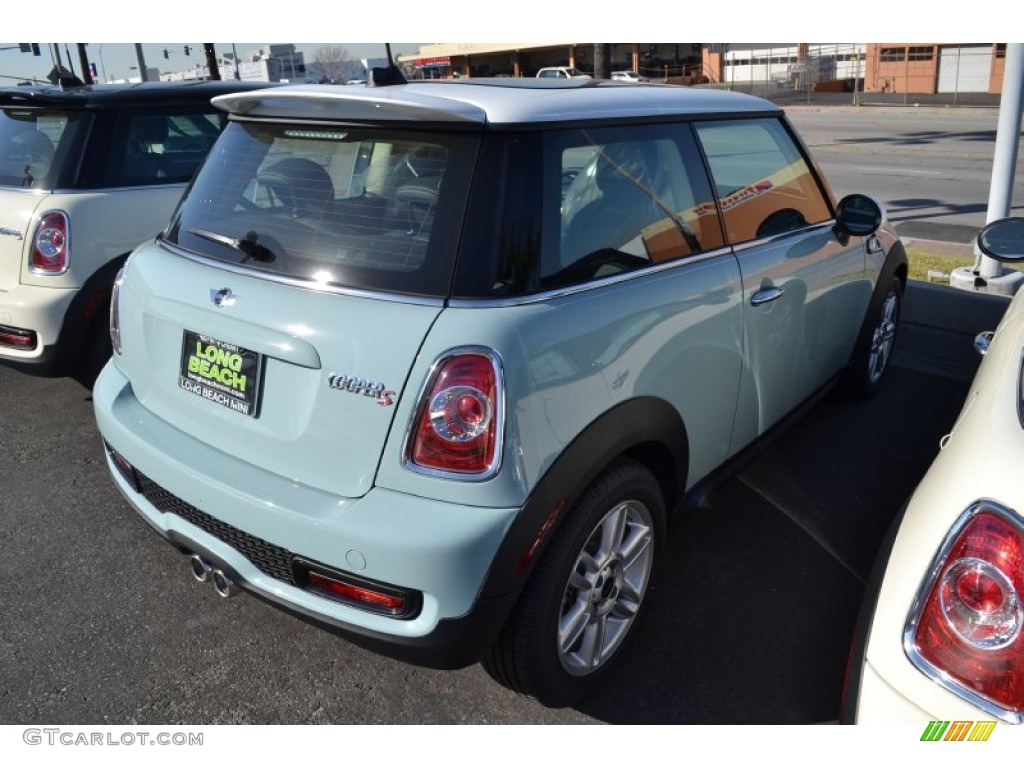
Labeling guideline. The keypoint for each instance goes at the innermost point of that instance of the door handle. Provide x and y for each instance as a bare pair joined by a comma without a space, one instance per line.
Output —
764,296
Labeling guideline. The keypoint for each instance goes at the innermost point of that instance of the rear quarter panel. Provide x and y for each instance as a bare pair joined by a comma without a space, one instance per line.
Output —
674,335
104,225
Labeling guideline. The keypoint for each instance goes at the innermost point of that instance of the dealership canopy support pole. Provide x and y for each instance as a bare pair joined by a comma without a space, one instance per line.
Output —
987,275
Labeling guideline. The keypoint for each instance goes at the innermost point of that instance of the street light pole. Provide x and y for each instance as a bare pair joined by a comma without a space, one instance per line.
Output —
1007,140
987,275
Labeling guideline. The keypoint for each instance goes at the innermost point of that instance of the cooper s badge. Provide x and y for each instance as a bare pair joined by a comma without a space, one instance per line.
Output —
357,386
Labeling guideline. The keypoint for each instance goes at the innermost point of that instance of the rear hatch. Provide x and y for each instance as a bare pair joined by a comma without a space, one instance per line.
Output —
279,316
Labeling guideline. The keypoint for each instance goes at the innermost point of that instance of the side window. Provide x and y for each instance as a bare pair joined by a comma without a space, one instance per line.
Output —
630,198
161,148
762,180
189,139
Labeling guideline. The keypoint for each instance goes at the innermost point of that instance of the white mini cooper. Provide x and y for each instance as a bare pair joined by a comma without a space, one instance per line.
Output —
86,174
941,633
430,364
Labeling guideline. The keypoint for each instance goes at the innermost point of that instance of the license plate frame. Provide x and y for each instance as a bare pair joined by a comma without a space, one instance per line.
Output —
221,372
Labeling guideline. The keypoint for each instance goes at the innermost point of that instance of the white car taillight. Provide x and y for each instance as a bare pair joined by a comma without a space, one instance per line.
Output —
459,422
965,630
115,312
50,244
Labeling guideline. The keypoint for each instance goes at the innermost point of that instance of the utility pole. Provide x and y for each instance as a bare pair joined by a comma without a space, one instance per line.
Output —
211,61
83,59
140,62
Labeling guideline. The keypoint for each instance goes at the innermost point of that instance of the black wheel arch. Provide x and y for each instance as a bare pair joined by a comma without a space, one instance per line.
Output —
89,304
895,266
647,429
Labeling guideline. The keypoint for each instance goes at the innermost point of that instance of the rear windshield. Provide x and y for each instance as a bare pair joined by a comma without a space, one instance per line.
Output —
31,142
350,207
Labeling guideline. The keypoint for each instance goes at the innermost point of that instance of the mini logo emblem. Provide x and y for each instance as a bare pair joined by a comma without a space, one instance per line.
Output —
359,386
223,298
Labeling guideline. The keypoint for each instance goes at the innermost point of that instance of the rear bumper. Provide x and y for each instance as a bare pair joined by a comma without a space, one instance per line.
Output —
40,311
220,505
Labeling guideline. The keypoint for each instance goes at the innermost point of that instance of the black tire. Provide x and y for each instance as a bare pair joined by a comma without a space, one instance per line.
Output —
596,596
96,351
877,340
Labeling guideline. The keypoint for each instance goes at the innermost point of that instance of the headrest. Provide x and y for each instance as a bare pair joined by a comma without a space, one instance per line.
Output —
309,181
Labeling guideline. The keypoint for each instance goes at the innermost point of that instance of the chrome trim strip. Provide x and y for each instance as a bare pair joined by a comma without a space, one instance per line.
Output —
28,191
499,417
910,648
762,241
91,191
558,293
310,285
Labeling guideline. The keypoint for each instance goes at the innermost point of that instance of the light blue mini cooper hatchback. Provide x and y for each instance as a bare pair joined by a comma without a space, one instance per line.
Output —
429,364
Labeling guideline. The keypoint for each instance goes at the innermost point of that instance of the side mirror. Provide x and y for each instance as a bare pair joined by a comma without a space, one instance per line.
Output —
1003,240
858,215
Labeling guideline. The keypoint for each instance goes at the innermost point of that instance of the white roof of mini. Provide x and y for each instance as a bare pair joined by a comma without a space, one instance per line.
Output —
489,100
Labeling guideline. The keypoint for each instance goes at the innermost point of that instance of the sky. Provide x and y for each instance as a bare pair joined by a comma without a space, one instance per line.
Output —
116,22
115,60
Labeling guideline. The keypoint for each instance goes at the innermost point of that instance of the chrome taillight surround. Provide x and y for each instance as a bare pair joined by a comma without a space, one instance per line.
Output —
498,416
939,676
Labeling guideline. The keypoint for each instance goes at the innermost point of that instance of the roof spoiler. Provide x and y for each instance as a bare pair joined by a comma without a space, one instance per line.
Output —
389,75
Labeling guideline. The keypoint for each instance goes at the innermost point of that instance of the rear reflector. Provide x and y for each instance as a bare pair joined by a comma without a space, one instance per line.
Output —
355,591
126,470
17,338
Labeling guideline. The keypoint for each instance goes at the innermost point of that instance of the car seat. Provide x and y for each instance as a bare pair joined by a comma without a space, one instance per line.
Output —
143,161
301,185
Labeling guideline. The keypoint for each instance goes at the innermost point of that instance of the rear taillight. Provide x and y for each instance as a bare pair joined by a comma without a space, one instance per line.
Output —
50,244
459,420
115,312
965,630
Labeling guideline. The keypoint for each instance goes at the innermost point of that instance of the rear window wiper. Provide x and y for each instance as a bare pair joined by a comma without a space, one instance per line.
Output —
249,245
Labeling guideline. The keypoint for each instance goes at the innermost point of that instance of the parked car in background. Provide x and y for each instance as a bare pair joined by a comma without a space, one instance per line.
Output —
430,364
629,76
940,635
86,174
562,73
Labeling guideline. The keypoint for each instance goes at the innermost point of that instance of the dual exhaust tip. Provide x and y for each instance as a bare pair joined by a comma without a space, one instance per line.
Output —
205,572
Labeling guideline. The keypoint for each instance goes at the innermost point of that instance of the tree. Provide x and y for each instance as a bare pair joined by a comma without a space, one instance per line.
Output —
329,61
